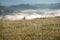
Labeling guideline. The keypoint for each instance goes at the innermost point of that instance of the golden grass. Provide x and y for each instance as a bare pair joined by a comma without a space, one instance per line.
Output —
37,29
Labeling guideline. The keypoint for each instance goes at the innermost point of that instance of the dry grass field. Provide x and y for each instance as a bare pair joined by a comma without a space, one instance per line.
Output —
37,29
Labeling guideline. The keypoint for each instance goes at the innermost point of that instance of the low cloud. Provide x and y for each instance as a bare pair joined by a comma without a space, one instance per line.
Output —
32,14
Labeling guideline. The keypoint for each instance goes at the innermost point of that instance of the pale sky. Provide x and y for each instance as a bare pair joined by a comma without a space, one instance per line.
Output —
16,2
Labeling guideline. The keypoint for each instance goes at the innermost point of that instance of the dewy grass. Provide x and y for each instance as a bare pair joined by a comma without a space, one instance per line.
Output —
37,29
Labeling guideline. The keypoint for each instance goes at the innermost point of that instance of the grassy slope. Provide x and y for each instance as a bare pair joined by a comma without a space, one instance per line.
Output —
37,29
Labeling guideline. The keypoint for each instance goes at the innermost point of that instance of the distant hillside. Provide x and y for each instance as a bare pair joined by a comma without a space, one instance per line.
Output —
17,8
50,6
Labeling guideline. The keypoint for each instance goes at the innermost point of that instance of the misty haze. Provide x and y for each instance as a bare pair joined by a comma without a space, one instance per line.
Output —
18,12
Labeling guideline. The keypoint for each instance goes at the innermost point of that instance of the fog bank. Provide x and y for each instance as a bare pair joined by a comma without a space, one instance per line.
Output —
31,14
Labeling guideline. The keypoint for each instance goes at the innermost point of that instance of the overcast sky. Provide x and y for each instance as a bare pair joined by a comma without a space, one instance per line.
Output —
16,2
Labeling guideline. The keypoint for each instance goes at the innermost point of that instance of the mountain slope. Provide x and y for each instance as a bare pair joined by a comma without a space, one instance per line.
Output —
17,8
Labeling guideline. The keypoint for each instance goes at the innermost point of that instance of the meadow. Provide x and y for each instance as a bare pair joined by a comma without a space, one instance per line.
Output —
36,29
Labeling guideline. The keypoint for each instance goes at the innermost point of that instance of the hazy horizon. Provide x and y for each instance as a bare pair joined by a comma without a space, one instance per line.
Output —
31,14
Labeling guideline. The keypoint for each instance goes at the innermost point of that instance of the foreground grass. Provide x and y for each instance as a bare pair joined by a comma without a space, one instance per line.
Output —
37,29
